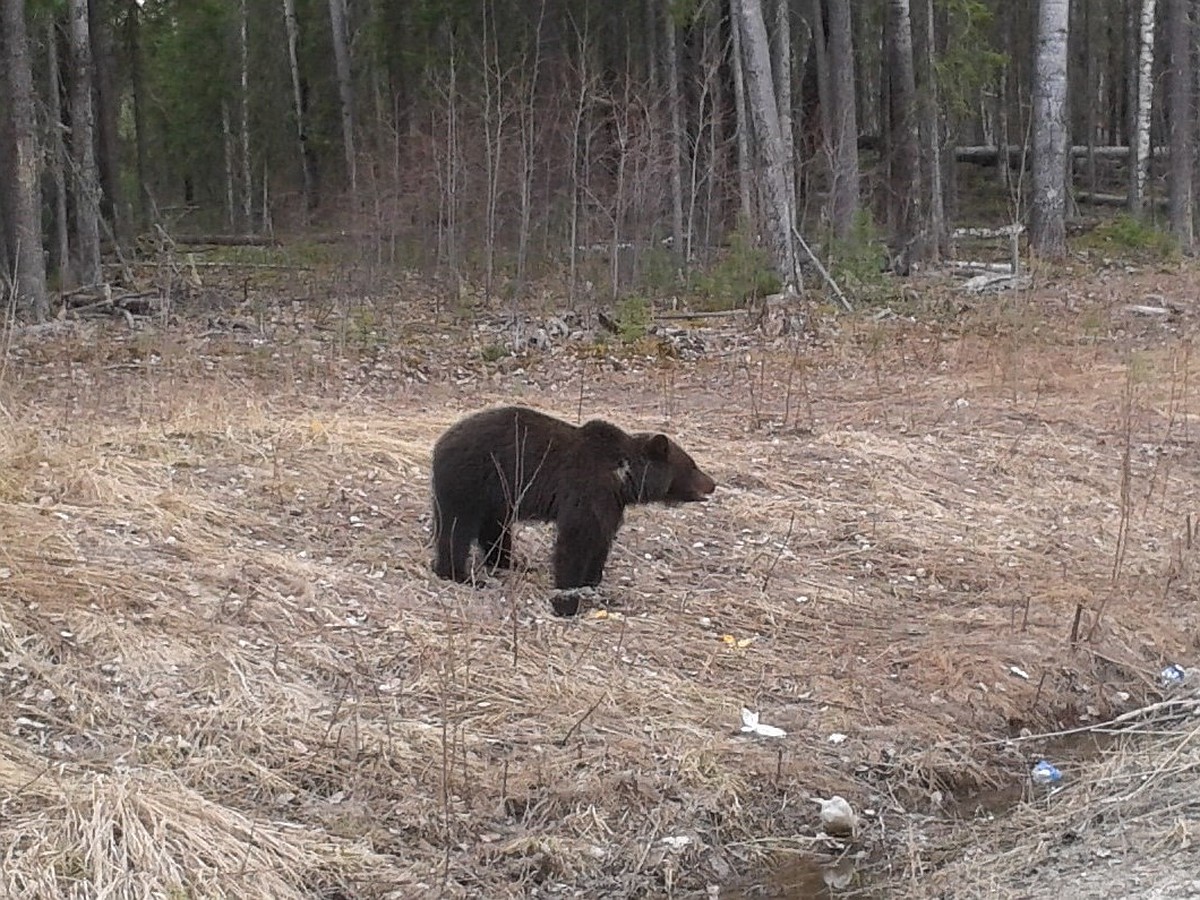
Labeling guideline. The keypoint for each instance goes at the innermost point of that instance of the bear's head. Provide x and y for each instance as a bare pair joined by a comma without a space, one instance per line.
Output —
667,473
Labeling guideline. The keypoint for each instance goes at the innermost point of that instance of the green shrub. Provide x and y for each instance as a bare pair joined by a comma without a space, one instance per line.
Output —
857,259
743,273
633,318
857,262
658,269
1125,234
493,352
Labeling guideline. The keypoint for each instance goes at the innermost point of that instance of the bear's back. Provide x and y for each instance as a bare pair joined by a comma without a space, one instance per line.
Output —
503,449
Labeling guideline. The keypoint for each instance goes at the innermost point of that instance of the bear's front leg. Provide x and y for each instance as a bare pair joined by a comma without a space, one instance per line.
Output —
453,545
580,551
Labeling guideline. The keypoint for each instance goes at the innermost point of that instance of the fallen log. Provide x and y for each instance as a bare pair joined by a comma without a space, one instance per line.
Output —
1100,199
225,240
94,299
988,155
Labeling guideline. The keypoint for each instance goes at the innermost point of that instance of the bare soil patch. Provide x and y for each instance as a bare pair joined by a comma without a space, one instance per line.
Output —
227,671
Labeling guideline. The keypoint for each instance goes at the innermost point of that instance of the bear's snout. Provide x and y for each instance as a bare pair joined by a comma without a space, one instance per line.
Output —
693,489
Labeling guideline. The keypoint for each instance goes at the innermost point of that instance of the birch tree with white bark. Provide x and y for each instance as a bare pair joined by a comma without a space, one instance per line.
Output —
1139,143
1047,221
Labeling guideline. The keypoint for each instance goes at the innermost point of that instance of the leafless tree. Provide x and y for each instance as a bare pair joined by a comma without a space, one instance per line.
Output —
844,139
704,152
83,153
781,68
527,107
495,112
764,114
26,233
293,38
1180,115
339,22
106,100
742,123
448,165
929,114
906,198
133,41
678,138
1047,231
56,156
244,121
820,51
583,89
1139,141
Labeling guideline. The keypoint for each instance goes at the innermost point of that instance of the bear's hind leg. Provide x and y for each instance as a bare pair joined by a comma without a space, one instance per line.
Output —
495,537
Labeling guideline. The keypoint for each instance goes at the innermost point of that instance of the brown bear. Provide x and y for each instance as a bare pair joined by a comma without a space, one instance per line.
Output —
503,465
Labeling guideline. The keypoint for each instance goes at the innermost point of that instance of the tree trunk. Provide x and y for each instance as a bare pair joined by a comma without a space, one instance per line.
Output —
781,66
137,86
906,198
1140,140
495,115
57,157
1129,73
623,114
1179,27
30,265
230,190
845,189
527,111
341,58
744,162
580,132
710,113
107,99
247,179
1195,45
929,115
820,51
83,154
1091,42
1002,133
293,39
651,10
764,112
863,32
1048,209
677,141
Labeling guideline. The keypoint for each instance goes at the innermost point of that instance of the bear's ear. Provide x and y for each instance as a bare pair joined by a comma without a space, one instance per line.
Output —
658,448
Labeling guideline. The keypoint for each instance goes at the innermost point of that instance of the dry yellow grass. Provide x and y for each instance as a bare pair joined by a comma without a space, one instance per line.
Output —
226,670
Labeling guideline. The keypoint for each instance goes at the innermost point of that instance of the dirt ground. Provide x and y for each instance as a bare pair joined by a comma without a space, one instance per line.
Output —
943,534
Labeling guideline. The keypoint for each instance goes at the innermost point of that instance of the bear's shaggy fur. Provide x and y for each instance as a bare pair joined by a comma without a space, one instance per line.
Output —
503,465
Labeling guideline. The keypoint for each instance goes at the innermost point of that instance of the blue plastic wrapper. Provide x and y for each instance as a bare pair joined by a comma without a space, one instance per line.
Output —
1171,675
1044,773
